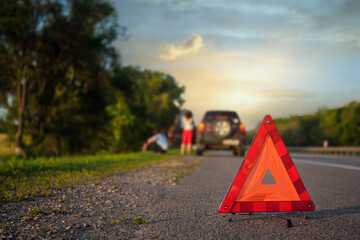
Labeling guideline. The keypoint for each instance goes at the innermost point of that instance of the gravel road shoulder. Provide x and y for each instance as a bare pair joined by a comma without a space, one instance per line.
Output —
98,211
187,208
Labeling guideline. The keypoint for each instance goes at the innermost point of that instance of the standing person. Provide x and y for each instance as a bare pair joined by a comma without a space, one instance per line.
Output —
157,143
187,133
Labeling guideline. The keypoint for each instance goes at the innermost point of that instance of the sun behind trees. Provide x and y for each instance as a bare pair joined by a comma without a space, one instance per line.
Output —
62,85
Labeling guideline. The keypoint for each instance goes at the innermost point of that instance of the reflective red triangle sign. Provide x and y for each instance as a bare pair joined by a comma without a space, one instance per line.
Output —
267,156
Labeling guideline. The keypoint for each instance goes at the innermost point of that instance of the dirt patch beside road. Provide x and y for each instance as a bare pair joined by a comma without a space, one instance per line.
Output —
106,210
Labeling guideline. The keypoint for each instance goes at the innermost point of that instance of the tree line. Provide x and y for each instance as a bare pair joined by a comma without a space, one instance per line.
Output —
63,86
339,126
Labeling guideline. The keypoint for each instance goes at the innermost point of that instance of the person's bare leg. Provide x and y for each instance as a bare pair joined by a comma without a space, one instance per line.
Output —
144,147
182,149
189,149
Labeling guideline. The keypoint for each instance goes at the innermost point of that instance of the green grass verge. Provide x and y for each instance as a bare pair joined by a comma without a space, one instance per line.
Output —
6,148
22,179
186,170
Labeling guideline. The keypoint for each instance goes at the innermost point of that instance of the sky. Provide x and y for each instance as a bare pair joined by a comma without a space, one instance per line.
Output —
255,57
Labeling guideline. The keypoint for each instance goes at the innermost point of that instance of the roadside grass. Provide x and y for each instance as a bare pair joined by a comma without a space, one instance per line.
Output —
36,211
6,148
22,178
5,229
138,220
114,222
44,229
58,210
181,169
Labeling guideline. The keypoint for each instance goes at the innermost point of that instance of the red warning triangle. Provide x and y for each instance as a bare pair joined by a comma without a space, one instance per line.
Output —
249,191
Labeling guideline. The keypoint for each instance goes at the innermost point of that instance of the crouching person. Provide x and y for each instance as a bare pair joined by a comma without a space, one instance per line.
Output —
157,143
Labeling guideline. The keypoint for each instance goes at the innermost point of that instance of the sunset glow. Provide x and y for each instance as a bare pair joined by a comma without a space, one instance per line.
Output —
255,58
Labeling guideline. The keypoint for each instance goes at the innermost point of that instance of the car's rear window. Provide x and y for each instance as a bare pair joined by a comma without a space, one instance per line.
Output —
232,116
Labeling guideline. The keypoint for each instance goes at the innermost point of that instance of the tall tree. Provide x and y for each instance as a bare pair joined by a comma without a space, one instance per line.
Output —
54,56
144,99
19,43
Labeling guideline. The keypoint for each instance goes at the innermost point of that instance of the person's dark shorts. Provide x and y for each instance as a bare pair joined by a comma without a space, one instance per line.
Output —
155,147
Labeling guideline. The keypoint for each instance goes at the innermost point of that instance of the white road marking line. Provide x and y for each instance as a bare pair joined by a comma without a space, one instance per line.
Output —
337,165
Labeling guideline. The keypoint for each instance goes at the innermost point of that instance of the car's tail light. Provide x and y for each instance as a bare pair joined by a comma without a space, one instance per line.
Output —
242,128
201,127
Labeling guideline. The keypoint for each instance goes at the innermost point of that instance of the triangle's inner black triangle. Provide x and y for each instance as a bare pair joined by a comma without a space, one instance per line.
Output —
268,178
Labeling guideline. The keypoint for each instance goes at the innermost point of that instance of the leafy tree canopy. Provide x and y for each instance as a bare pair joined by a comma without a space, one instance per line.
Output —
62,84
339,126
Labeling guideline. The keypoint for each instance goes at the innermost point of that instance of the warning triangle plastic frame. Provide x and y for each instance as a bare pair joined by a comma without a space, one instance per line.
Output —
230,205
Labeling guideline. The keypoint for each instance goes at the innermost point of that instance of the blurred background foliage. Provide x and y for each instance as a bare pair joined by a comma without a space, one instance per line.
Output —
64,91
339,126
62,84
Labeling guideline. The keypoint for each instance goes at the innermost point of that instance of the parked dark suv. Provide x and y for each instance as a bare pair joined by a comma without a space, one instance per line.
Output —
221,130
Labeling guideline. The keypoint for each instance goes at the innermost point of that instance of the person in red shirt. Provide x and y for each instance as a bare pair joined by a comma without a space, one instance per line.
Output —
187,133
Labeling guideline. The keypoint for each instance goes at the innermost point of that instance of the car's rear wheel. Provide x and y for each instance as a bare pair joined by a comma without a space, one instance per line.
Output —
199,149
238,151
221,128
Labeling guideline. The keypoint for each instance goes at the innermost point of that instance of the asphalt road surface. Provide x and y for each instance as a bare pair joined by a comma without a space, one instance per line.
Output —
189,210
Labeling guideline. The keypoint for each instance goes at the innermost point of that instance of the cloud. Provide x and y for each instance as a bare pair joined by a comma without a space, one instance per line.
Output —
171,52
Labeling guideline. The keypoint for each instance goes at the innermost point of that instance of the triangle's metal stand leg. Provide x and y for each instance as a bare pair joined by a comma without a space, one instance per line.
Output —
268,215
289,223
233,214
230,215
